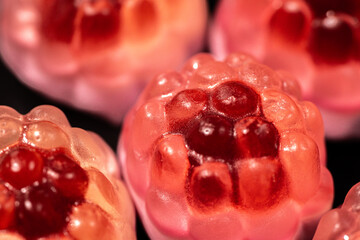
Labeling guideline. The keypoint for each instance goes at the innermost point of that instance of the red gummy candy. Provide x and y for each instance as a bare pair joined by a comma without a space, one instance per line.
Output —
97,55
58,182
226,150
318,41
342,222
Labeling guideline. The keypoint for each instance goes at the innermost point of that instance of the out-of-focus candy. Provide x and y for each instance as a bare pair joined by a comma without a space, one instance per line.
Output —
343,222
98,55
58,182
318,41
226,150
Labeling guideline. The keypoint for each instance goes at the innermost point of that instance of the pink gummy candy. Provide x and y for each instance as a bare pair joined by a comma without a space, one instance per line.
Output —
225,150
98,55
342,223
315,40
58,182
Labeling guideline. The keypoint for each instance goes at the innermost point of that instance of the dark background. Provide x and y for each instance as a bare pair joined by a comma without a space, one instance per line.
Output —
343,155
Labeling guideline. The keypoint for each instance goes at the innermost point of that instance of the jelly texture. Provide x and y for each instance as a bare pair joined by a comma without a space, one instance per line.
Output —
99,54
226,150
342,222
317,41
58,182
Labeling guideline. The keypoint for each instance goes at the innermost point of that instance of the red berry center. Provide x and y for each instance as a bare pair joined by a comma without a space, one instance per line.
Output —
321,7
79,22
21,167
226,125
208,188
234,99
41,211
289,21
184,106
332,28
256,137
211,135
332,40
67,176
44,185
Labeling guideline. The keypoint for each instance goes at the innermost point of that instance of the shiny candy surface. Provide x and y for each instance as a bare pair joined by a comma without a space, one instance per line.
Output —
342,222
41,211
21,167
46,178
67,176
7,207
226,148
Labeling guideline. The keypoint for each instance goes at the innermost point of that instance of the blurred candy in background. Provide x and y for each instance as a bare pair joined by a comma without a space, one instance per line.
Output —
317,41
342,222
98,55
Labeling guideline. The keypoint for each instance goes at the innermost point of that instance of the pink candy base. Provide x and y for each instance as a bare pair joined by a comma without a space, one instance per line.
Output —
305,225
151,230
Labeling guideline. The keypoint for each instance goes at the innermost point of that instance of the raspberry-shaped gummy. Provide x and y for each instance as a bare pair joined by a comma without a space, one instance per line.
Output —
342,222
58,182
226,150
97,55
318,41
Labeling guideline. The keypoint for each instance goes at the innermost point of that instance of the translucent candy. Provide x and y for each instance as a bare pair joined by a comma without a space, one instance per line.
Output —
210,186
58,182
21,167
98,55
7,207
231,152
342,222
89,221
168,163
316,41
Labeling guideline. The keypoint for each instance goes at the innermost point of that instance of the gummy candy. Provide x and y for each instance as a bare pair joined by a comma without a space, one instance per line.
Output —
225,150
316,40
98,55
58,182
342,222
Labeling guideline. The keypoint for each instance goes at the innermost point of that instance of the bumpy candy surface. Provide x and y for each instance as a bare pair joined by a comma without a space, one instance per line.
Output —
343,222
316,40
226,150
97,55
58,182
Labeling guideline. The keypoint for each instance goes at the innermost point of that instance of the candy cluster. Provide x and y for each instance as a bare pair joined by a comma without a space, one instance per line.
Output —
99,54
225,147
317,41
57,181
